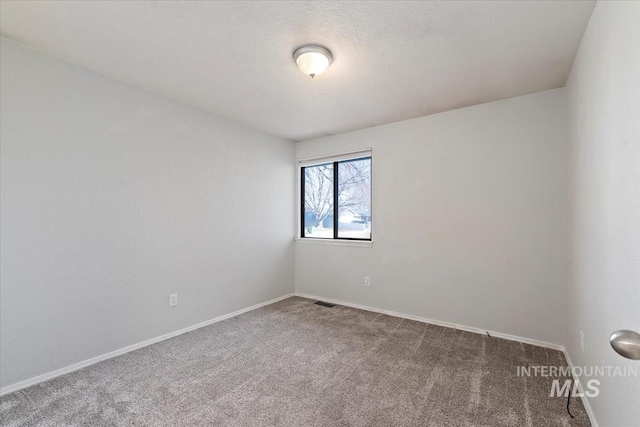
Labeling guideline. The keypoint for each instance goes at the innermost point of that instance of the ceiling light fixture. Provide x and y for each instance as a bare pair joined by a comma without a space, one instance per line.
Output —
312,60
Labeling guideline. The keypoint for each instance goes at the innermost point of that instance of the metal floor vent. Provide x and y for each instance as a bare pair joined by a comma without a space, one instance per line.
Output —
325,304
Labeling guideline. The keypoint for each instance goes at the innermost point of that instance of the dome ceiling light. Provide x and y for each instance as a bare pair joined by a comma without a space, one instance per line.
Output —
312,60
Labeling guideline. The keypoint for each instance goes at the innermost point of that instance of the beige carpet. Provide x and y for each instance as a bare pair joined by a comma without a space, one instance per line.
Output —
294,363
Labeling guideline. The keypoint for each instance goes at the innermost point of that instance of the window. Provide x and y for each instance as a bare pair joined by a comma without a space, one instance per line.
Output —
336,198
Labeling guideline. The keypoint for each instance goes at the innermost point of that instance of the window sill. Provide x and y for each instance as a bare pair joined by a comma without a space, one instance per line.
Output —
335,242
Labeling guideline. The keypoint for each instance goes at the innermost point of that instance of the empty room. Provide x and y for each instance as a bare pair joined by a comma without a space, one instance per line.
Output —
320,213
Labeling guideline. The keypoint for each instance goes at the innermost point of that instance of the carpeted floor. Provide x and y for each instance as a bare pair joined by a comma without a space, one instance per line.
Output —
294,363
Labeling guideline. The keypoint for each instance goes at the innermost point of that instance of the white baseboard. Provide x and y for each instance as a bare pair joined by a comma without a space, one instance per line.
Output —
62,371
585,400
438,322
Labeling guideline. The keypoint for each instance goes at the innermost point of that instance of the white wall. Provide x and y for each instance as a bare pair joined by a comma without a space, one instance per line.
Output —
468,219
603,294
112,199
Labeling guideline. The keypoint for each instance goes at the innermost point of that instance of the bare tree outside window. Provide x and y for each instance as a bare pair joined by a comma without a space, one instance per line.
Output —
354,199
353,193
318,198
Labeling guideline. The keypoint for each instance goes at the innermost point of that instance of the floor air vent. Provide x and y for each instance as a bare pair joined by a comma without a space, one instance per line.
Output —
325,304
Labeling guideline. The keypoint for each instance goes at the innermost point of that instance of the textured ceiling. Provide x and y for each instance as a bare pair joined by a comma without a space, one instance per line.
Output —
392,60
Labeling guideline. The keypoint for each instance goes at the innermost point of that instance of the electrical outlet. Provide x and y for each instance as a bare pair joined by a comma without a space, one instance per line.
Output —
582,340
173,300
367,281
